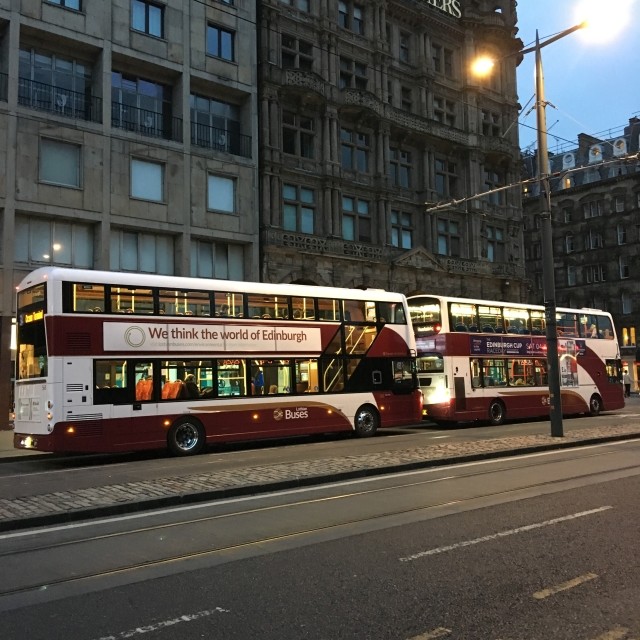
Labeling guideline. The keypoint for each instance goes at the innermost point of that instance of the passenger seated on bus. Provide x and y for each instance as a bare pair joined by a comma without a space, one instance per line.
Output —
593,331
191,387
273,389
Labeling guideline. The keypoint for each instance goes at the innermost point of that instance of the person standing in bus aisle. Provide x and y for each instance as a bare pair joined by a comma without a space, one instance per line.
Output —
258,382
626,379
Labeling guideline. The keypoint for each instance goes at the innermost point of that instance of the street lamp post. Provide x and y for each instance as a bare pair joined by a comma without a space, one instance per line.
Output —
548,271
548,275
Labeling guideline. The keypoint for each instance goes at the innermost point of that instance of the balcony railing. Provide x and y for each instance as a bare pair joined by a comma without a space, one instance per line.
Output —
64,102
4,92
221,140
148,123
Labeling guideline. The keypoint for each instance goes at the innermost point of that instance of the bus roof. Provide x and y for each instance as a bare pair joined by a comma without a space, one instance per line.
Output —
183,282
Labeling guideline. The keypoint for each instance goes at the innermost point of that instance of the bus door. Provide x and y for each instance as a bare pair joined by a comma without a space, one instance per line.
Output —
138,405
432,378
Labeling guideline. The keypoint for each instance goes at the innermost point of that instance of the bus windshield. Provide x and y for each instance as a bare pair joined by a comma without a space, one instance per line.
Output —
426,316
32,344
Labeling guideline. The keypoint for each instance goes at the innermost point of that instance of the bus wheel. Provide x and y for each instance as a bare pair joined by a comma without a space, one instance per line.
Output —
496,413
366,421
595,405
186,437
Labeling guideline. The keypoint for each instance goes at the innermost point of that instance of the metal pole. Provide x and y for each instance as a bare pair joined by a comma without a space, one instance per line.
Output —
548,276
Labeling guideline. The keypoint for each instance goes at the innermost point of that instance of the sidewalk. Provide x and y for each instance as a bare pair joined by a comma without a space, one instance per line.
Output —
73,505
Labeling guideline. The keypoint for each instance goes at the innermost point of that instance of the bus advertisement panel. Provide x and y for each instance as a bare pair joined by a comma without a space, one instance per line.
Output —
486,360
113,362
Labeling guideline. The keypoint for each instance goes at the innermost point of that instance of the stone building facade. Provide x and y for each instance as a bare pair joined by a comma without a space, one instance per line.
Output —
128,135
369,119
595,196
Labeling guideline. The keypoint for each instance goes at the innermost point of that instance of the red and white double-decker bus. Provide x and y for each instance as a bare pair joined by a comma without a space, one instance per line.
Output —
487,360
112,362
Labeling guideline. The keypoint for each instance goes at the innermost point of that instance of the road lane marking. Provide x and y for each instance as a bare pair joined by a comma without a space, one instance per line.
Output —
440,632
503,534
570,584
150,628
614,634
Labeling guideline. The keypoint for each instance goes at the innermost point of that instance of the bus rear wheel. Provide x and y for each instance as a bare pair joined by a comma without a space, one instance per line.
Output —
496,413
186,437
366,421
595,405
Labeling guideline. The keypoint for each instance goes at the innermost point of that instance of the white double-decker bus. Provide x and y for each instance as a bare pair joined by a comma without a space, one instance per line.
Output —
111,362
486,360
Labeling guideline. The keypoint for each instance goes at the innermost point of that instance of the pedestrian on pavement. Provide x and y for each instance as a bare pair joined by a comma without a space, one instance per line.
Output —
626,379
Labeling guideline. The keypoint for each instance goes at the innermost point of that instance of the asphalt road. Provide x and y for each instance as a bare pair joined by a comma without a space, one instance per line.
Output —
538,546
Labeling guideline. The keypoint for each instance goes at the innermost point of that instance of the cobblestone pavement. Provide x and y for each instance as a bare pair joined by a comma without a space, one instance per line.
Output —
66,506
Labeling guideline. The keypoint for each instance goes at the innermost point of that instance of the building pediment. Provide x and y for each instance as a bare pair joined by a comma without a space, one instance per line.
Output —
418,258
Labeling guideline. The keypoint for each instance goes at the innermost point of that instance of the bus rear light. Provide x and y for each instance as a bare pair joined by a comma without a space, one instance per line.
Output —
28,442
49,416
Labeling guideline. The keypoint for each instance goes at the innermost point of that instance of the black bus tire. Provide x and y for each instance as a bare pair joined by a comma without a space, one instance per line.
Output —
595,405
186,437
366,421
497,413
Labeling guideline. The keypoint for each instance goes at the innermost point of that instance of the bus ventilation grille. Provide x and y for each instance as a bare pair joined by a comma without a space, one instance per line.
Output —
77,417
71,388
79,343
90,427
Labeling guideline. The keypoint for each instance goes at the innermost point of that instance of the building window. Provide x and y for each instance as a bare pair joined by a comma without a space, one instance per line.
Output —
141,252
400,168
297,134
444,111
39,242
302,5
442,59
622,234
404,49
140,105
355,150
623,263
220,42
401,229
536,251
50,82
567,214
492,181
571,276
147,180
217,260
627,304
147,17
618,204
595,273
216,124
60,163
495,244
594,240
298,209
448,238
353,75
221,194
491,124
69,4
592,209
445,177
407,99
296,53
569,243
356,222
351,16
